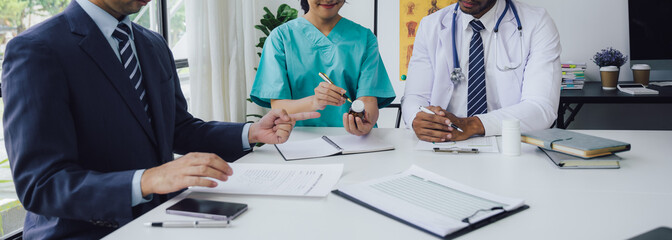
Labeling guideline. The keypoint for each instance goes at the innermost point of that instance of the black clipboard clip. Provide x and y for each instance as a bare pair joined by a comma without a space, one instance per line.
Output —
456,150
466,219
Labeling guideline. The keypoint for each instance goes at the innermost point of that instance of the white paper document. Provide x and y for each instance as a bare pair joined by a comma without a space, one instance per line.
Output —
483,144
429,201
279,179
662,84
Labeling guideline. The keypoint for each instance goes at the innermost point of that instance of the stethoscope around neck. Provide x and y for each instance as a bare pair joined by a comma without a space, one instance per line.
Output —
456,76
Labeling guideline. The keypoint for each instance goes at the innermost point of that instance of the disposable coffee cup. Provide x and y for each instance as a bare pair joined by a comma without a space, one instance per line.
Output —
641,73
609,76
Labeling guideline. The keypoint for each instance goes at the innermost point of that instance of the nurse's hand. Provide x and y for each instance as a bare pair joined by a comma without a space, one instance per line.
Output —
432,127
356,125
328,94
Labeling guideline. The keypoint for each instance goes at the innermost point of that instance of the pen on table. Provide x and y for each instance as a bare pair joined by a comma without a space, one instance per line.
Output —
326,79
189,224
457,150
424,109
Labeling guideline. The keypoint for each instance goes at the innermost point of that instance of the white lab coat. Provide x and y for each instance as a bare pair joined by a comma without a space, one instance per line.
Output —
530,93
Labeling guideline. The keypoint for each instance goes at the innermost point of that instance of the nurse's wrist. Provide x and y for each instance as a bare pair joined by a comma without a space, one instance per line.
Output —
315,105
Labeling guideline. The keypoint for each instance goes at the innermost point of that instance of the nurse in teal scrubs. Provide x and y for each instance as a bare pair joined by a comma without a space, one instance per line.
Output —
323,41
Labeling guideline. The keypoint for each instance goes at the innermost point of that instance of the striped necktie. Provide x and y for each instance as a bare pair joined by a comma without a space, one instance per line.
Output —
131,65
476,101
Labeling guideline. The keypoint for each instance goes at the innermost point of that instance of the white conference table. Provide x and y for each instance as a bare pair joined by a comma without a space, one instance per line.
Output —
564,204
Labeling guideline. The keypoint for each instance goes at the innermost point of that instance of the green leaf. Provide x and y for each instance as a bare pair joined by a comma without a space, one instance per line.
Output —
6,181
282,8
293,14
4,161
268,13
262,40
263,29
275,23
268,23
287,14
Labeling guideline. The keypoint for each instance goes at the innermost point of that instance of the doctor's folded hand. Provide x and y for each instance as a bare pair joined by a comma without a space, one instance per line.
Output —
436,127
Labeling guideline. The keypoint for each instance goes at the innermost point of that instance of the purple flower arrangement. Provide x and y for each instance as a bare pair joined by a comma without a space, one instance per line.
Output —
609,57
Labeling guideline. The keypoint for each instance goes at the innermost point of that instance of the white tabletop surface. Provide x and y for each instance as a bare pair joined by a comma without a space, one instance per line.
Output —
564,203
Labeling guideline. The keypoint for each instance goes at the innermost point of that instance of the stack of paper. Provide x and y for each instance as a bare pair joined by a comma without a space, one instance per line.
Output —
279,179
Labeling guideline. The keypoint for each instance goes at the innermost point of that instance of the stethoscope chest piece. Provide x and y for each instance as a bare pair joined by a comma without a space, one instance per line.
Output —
456,76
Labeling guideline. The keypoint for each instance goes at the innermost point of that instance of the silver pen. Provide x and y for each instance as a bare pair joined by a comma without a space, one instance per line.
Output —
424,109
456,150
188,224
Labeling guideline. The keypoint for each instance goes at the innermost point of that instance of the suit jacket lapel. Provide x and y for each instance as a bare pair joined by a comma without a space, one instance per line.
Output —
152,75
96,46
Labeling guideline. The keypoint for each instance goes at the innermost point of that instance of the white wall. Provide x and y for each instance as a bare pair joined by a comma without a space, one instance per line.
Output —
585,27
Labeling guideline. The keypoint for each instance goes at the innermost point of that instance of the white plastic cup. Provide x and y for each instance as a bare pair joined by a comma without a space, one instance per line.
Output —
511,137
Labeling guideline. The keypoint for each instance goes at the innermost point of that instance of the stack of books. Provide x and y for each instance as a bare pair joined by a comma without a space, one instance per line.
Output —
573,150
573,75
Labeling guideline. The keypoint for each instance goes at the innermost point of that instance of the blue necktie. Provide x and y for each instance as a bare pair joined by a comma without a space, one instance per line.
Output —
476,101
131,65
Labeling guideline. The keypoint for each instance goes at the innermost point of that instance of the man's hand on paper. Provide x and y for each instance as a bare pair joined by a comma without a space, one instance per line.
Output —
189,170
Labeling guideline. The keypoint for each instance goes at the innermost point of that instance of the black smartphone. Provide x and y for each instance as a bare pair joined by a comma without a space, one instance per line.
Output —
207,209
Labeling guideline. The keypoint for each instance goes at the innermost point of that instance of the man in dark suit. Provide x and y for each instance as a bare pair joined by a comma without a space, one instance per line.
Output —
93,115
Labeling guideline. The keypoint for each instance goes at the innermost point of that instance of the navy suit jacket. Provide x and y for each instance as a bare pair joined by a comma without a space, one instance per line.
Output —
75,131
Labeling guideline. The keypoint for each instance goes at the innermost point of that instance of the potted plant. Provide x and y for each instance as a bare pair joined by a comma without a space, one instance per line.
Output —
610,61
269,22
284,14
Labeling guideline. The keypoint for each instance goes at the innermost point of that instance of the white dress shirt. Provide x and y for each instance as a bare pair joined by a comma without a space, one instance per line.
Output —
107,24
529,93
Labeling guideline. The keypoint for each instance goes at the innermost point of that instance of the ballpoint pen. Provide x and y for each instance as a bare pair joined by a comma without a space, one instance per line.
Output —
326,79
189,224
424,109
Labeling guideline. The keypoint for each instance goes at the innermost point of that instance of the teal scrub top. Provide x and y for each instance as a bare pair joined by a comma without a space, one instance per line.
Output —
297,51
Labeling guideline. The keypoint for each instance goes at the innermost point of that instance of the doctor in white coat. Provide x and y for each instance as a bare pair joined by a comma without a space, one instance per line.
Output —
529,93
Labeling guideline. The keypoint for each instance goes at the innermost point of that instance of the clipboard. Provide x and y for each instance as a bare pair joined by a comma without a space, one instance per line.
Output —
455,209
453,235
